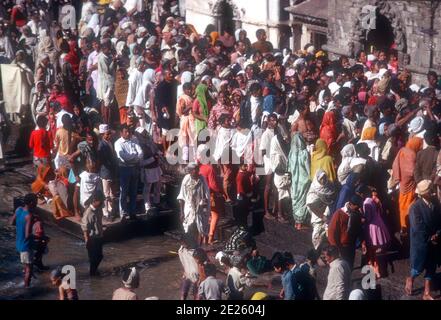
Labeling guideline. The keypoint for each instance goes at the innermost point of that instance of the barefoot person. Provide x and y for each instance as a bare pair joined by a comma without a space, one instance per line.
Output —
425,235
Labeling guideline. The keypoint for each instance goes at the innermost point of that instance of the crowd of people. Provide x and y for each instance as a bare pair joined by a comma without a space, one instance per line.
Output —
346,147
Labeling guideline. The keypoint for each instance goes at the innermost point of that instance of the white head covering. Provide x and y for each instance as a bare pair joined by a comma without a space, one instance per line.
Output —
371,57
416,125
357,294
333,87
237,33
414,87
133,279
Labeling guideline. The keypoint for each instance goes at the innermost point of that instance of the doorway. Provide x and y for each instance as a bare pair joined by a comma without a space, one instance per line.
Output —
382,37
226,18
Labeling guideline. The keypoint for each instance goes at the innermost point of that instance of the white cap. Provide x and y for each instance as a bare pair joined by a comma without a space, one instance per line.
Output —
103,128
414,87
330,73
348,84
140,129
381,72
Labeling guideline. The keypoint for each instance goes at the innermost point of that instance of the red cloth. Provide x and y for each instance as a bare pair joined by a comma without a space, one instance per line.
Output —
18,17
41,143
328,129
72,57
207,171
244,183
63,101
337,230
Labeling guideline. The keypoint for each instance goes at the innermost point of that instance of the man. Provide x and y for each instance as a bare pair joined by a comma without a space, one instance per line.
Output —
92,226
240,51
108,170
261,44
425,237
425,166
339,277
345,227
194,201
129,154
432,79
265,145
22,219
165,104
106,78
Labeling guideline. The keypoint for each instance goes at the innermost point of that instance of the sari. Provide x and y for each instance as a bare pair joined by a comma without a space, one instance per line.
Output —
58,189
299,166
328,129
44,175
201,97
403,169
321,160
348,190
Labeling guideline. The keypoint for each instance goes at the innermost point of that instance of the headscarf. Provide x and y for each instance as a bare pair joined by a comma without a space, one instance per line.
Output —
321,160
238,32
368,134
324,190
347,153
328,129
201,96
186,77
299,166
403,166
72,57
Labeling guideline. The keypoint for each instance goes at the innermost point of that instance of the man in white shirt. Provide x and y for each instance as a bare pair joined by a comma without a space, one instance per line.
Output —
339,277
129,154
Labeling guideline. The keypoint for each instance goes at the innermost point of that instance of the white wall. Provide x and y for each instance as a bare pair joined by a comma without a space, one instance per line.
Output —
255,14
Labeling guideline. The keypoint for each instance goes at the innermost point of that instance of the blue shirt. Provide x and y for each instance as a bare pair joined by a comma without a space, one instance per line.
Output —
22,244
288,285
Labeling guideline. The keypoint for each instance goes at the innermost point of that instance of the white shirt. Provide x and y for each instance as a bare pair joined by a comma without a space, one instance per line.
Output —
339,281
128,152
265,145
88,184
59,115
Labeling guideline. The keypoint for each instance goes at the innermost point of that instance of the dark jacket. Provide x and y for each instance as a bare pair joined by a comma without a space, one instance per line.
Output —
424,223
425,167
107,158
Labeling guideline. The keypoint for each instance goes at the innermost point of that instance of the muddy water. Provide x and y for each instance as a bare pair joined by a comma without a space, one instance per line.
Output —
155,257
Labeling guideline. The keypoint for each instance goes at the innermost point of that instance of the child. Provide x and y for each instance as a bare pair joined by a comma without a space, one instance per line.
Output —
236,280
40,242
130,280
64,289
40,142
211,288
244,193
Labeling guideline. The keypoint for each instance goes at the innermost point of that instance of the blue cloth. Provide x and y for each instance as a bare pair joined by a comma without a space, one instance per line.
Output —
348,190
287,284
424,223
128,188
22,244
269,103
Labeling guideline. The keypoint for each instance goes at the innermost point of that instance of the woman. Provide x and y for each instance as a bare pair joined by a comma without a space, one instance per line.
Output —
220,108
403,169
201,108
321,160
328,129
194,201
368,136
320,198
39,101
347,153
376,234
299,166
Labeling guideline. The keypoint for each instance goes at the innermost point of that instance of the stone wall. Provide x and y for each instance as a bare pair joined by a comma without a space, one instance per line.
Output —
250,15
409,16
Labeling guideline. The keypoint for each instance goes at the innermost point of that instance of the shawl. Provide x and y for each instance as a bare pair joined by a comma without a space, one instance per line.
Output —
347,153
321,160
142,95
201,97
403,166
299,166
72,57
328,129
321,194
